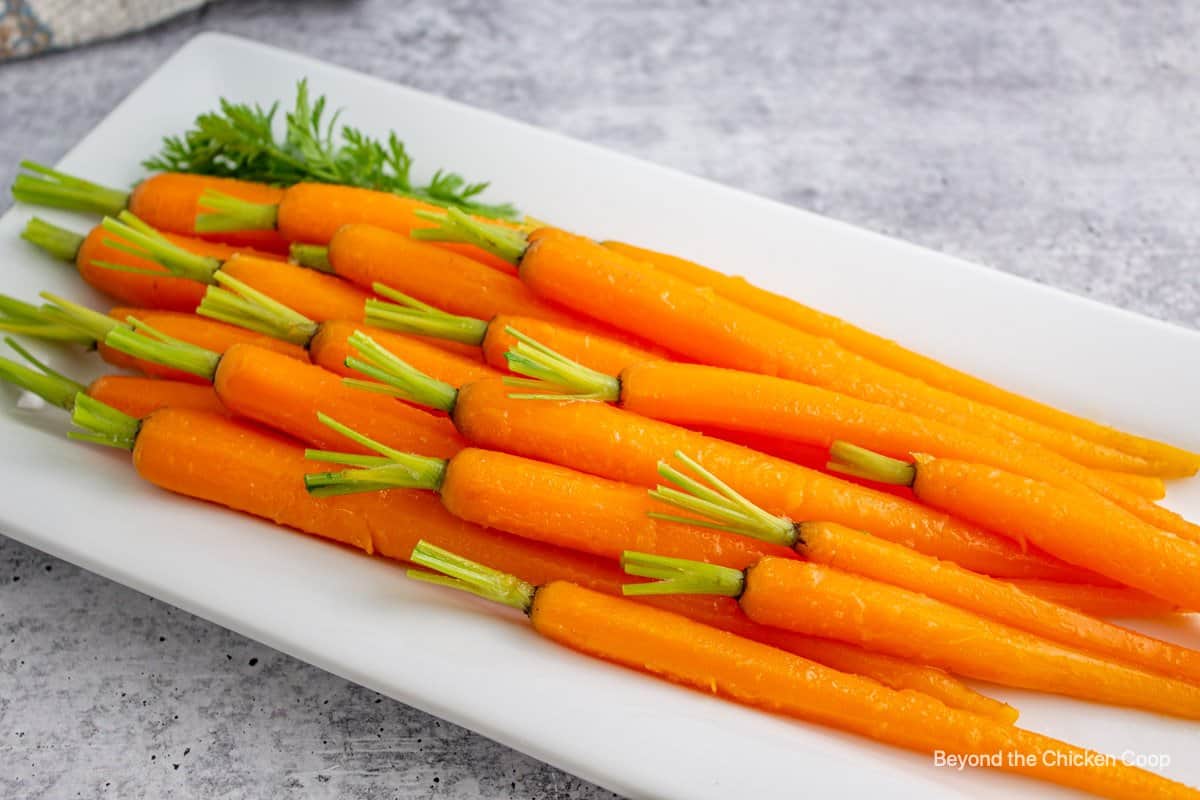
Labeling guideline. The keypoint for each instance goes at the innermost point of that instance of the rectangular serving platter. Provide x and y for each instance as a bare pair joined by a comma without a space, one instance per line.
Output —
482,668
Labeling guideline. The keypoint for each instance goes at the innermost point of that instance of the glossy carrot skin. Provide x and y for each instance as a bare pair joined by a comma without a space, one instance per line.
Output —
820,601
286,395
890,354
1079,529
1148,486
615,444
170,201
698,395
695,655
1099,601
860,554
193,329
572,509
706,328
331,347
139,397
595,351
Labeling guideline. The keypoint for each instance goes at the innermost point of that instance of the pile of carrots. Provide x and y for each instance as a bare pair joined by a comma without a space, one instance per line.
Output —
662,465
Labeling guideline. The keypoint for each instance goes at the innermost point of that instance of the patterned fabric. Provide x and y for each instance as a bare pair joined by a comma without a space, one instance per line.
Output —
28,27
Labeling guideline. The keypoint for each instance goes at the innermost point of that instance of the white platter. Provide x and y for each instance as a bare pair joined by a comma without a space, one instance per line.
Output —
463,661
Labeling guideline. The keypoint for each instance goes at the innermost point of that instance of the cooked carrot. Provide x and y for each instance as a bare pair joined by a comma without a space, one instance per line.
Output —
1080,529
818,600
168,201
695,395
890,354
1148,486
615,444
706,328
411,316
686,652
286,394
312,213
1099,601
709,502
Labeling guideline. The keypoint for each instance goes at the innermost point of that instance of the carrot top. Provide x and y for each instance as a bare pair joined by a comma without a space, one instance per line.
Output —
237,303
49,321
456,572
390,469
228,213
103,424
396,377
409,315
149,344
554,376
140,240
52,386
43,186
859,462
59,242
312,256
680,576
455,226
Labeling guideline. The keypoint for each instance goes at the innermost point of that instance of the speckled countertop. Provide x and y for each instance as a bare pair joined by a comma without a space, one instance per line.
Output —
1055,143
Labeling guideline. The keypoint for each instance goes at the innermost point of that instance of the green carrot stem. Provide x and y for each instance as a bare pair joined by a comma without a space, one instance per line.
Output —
716,505
313,256
103,424
48,384
456,226
19,317
89,322
138,239
49,187
144,342
859,462
239,304
59,242
460,573
404,380
391,469
228,213
679,576
409,315
554,376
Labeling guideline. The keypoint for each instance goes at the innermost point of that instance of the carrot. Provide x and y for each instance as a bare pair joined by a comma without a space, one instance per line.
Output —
168,201
890,354
711,503
1148,486
1080,529
253,471
1098,601
312,213
692,654
615,444
139,281
285,394
409,315
703,327
696,395
818,600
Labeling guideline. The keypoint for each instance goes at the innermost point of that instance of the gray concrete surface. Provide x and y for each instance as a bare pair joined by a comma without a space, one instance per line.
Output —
1055,141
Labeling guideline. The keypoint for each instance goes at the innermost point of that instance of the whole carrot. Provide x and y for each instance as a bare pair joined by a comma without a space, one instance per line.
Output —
1080,529
261,474
615,444
709,329
818,600
686,652
168,201
890,354
695,395
708,501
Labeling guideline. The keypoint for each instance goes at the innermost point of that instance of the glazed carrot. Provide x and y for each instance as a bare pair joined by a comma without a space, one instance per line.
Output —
409,315
286,394
140,281
703,327
168,201
312,213
615,444
1080,529
818,600
1099,601
692,654
890,354
709,502
695,395
1148,486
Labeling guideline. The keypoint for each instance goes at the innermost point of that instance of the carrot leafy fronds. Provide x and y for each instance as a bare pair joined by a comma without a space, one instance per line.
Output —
456,572
859,462
390,469
240,141
239,304
396,377
455,226
679,576
43,186
409,315
554,376
103,424
717,505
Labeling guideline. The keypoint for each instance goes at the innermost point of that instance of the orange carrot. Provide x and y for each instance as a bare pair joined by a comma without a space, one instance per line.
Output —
615,444
818,600
670,646
1080,529
262,474
709,502
411,316
167,201
890,354
1148,486
695,395
1099,601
